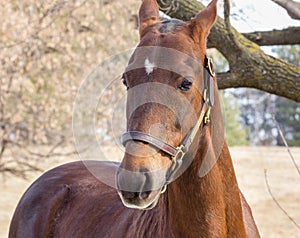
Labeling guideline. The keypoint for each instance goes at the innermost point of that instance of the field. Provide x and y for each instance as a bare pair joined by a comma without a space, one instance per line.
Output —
251,165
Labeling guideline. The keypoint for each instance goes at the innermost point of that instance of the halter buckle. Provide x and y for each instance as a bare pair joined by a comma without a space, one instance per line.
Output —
176,164
179,154
177,158
207,116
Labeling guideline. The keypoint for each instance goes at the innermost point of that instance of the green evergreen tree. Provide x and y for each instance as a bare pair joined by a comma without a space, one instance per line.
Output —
287,112
288,116
235,134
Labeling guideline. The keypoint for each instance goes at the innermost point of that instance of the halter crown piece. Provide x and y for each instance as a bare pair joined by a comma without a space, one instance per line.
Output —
177,153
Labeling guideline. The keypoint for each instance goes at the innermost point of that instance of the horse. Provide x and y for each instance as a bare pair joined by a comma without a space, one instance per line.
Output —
176,178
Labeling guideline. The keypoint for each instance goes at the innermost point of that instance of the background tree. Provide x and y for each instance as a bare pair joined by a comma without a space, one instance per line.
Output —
47,47
263,72
250,67
259,109
287,112
236,132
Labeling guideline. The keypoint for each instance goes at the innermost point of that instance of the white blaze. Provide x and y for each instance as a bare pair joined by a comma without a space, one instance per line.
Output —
149,66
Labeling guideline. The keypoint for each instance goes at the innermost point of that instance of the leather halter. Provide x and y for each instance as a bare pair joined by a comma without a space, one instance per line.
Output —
177,153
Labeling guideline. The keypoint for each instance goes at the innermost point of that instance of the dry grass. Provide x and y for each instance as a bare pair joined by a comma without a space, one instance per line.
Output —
250,164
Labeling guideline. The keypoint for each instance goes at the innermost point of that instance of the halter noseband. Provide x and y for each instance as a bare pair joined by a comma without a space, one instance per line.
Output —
177,153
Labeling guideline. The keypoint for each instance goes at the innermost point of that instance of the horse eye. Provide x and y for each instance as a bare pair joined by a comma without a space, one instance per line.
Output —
124,81
186,84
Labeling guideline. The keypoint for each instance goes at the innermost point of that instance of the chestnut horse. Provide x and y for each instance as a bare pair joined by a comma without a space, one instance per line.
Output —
204,201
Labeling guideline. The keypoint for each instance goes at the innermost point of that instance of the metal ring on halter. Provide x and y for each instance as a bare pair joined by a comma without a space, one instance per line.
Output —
209,66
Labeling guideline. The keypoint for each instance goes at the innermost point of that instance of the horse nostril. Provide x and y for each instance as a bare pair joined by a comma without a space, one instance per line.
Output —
128,195
135,195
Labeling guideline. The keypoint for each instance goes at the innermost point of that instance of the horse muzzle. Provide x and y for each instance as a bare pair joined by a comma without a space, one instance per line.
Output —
141,175
139,190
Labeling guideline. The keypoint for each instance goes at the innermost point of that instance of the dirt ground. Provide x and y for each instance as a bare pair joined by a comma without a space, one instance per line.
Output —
251,165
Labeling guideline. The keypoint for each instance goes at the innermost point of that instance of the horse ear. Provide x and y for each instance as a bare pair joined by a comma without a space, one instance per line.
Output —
203,21
148,15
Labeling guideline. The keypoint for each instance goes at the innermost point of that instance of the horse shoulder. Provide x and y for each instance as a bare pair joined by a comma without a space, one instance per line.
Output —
68,191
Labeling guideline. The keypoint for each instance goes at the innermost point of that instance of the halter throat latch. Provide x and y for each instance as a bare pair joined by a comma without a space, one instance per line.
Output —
208,95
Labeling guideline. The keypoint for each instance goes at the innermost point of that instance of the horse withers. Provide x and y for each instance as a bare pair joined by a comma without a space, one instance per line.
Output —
176,178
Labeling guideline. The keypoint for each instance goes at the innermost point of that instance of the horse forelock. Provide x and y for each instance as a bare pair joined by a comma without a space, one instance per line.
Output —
171,25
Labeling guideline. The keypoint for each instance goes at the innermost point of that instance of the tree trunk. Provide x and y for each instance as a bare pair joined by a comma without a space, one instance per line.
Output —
249,65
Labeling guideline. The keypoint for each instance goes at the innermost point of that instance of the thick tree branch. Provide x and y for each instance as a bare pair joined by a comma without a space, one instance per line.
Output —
288,36
292,7
249,65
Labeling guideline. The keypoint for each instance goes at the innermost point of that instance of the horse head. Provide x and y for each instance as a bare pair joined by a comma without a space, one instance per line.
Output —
169,97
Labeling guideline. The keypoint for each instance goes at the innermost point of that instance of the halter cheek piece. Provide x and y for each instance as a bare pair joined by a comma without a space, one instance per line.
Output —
177,153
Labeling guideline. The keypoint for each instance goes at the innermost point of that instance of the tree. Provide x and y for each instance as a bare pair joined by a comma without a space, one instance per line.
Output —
288,116
235,133
259,109
287,112
249,65
46,49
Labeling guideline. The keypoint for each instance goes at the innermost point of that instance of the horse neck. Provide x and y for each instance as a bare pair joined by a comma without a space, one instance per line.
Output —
205,199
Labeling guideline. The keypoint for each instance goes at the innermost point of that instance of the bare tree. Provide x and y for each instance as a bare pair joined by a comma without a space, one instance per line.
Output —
47,47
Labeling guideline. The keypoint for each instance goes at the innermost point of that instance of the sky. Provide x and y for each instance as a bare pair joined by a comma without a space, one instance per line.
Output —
258,15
